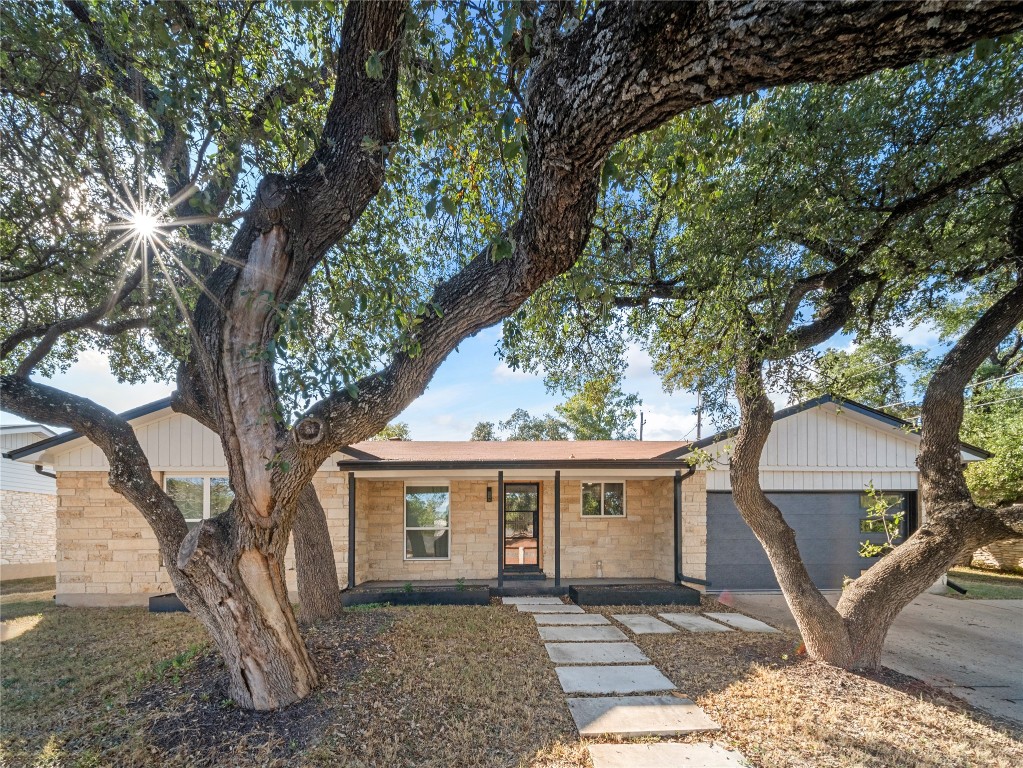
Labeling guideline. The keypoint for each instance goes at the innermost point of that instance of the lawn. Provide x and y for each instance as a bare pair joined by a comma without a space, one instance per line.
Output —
452,686
987,585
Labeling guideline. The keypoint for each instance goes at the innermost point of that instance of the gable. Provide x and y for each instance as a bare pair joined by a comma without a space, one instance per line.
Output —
828,447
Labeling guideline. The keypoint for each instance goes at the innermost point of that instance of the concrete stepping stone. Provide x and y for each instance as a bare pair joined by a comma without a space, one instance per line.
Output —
694,622
745,623
570,619
537,600
581,634
639,716
550,608
642,624
664,756
609,680
595,653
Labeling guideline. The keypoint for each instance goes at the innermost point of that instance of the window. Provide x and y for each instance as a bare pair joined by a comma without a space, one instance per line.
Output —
427,522
603,500
199,498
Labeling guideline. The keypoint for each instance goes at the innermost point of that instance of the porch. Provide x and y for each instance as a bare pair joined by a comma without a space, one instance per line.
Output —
586,591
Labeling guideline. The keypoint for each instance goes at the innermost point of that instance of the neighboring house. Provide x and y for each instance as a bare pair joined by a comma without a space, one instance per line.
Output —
504,511
28,509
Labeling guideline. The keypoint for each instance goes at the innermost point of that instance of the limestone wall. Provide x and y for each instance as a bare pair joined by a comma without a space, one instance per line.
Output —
106,552
1006,555
28,534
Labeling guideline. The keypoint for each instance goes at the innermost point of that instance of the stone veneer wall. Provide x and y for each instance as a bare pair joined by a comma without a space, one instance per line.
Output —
106,552
1005,555
28,534
107,555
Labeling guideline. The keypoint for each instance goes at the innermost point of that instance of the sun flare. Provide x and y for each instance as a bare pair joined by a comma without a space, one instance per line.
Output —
144,224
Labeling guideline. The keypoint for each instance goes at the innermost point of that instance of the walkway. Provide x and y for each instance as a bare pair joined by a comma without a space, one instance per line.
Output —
616,691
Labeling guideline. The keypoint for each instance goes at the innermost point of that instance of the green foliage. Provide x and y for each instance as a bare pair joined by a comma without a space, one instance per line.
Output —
707,224
396,431
600,411
484,430
884,520
521,426
994,421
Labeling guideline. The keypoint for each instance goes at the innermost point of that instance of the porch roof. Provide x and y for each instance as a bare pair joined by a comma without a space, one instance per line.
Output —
510,454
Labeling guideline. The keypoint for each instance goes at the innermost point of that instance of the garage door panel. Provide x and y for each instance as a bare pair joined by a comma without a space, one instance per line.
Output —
827,533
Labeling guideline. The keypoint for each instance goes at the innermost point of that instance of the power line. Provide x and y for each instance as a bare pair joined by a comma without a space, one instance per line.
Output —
995,402
992,381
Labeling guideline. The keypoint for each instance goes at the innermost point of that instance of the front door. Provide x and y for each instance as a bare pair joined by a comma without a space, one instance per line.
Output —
522,527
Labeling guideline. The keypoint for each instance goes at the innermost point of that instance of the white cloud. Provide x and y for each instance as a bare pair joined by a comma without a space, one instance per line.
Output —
502,372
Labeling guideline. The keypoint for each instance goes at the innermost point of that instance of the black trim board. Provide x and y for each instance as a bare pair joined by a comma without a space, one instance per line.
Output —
67,437
383,465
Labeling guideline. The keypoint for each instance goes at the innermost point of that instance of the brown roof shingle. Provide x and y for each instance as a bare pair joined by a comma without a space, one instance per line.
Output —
468,451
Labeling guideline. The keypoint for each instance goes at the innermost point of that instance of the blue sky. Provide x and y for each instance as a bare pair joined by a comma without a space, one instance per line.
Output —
472,385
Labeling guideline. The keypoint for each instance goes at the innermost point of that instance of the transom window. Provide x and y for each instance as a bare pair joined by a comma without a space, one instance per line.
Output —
603,500
427,522
199,497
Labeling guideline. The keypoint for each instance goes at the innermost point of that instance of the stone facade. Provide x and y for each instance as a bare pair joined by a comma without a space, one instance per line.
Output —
28,534
109,556
1006,555
107,553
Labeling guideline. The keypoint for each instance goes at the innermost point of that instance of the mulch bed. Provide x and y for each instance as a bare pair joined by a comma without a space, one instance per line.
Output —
193,715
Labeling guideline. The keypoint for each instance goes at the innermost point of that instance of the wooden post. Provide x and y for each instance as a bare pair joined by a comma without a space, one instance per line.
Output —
557,528
351,530
500,529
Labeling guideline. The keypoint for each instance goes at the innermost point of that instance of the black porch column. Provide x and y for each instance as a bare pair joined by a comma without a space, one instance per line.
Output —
677,567
351,530
500,529
557,528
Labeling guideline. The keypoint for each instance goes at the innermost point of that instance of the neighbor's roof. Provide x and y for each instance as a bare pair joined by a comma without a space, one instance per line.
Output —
17,429
430,454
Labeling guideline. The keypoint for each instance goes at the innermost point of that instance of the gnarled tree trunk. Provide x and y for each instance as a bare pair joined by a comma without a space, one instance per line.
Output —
319,592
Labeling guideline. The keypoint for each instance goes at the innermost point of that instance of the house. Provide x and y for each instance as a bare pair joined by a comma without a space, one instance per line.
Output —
28,508
508,511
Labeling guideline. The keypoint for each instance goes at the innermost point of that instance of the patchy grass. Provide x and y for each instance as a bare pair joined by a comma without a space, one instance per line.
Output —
987,585
443,686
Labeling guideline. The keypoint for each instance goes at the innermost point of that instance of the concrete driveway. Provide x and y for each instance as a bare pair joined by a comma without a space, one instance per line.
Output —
972,648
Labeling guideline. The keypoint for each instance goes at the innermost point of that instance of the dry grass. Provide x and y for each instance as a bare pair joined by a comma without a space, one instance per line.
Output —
453,686
987,585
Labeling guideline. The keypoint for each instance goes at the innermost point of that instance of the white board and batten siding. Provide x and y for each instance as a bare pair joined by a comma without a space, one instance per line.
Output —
173,442
825,449
15,476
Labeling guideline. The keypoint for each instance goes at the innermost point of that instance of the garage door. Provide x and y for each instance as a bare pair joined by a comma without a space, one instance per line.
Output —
827,527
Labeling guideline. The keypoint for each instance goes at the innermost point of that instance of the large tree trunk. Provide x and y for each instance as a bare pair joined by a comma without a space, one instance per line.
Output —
231,576
319,593
823,630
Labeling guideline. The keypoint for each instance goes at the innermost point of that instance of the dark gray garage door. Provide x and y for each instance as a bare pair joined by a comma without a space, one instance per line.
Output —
827,527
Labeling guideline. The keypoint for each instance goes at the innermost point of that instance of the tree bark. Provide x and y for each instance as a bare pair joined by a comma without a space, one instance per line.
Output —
319,592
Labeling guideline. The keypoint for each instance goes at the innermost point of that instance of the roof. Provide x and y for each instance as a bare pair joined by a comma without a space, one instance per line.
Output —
435,454
851,405
67,437
16,429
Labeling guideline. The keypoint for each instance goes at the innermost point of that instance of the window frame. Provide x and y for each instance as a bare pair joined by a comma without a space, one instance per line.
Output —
603,515
429,483
205,477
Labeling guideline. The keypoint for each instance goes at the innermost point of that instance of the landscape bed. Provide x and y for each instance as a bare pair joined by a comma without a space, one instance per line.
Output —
439,686
634,594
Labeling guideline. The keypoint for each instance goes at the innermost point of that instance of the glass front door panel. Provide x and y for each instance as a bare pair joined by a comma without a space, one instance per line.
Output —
521,526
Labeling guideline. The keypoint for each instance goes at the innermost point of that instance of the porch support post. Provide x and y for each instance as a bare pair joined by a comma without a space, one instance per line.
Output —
351,530
677,565
500,529
557,528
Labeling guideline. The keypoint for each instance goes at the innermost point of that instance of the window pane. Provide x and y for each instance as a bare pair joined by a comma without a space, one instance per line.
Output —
221,495
614,499
591,498
521,498
426,544
426,506
187,494
518,524
874,525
